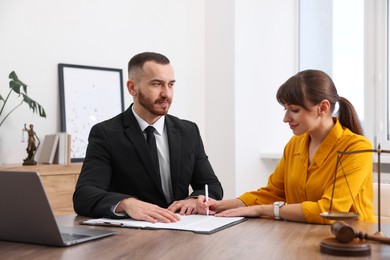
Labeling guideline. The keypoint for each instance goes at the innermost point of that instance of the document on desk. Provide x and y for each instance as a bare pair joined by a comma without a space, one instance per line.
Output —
196,223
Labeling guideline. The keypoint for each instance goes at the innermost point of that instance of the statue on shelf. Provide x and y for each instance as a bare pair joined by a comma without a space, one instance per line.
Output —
32,145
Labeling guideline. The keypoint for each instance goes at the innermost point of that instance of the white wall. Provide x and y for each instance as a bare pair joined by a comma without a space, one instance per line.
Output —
251,49
220,89
266,56
37,35
229,57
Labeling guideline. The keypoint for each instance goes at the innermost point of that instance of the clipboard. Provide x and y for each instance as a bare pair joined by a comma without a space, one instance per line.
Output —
200,224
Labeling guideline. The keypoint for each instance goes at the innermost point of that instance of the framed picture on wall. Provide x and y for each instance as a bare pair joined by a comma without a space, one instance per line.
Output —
88,95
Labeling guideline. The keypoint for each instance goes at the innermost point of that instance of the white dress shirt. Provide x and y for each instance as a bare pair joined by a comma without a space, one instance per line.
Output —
162,151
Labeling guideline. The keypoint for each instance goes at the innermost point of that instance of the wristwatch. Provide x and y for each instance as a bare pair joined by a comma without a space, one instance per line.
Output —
277,206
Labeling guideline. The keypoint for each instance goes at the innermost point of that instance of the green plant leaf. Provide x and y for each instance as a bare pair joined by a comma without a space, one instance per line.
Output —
34,106
15,78
19,88
15,84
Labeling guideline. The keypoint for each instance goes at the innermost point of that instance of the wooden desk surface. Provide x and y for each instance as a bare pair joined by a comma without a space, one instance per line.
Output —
252,239
47,169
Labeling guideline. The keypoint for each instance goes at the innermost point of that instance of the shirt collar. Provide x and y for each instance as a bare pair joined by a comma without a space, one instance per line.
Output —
328,145
158,125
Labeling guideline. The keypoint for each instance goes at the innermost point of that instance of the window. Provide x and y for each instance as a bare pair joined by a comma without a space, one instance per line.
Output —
376,52
332,40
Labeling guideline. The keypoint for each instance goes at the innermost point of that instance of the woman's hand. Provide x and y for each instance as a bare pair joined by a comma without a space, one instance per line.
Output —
251,211
202,205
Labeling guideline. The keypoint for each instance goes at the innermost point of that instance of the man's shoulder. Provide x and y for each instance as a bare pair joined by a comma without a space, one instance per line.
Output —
114,121
179,121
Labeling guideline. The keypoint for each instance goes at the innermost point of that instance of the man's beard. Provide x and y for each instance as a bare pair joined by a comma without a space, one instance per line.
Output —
149,104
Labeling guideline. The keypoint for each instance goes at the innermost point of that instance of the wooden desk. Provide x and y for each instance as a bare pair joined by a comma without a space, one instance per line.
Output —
59,181
252,239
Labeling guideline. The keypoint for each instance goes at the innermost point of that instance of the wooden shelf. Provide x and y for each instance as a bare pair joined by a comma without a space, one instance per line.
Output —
59,181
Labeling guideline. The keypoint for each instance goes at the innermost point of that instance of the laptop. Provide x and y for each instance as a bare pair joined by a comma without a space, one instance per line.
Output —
26,215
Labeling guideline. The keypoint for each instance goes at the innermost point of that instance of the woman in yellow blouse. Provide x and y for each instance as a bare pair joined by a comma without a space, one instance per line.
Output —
301,186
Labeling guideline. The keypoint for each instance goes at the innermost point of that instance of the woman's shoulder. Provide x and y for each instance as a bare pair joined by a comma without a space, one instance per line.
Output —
354,141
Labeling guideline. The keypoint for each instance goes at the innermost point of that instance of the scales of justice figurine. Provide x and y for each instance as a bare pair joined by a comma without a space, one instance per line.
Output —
33,143
345,243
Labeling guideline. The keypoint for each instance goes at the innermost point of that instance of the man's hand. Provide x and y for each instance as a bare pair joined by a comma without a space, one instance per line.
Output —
141,210
185,207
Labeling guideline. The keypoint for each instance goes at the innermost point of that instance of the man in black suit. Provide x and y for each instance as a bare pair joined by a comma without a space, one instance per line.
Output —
121,177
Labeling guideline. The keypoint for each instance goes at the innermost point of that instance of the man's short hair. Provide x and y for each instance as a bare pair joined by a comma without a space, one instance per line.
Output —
137,62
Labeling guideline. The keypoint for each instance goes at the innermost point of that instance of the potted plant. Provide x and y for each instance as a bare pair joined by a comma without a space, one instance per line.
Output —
18,87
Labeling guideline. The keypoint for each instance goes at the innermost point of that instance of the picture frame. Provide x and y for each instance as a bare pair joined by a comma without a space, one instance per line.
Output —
88,95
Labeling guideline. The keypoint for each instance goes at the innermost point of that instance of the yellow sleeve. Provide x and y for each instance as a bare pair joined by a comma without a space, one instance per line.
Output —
355,171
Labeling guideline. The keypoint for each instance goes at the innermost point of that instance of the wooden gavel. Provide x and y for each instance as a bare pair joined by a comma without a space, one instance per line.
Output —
345,233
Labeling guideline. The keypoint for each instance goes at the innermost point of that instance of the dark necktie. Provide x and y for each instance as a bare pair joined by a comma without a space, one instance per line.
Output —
151,140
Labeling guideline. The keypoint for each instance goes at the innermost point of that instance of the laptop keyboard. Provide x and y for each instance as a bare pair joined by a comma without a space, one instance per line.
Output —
71,237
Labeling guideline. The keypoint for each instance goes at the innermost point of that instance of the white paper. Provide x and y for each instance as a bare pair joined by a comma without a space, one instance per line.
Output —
195,223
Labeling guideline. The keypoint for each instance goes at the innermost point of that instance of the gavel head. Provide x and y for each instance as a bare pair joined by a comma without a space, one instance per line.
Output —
344,233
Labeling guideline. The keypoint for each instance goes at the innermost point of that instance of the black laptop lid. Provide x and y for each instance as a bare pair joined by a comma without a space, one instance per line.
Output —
25,212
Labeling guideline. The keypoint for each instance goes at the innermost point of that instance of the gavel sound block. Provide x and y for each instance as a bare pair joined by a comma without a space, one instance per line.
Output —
344,242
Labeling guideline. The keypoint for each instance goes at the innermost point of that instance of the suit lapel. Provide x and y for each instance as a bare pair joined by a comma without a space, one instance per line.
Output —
137,138
174,153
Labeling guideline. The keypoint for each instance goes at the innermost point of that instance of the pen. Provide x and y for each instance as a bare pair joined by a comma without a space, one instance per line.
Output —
206,191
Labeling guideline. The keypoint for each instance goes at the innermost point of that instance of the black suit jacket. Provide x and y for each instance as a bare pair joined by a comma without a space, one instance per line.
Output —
118,165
